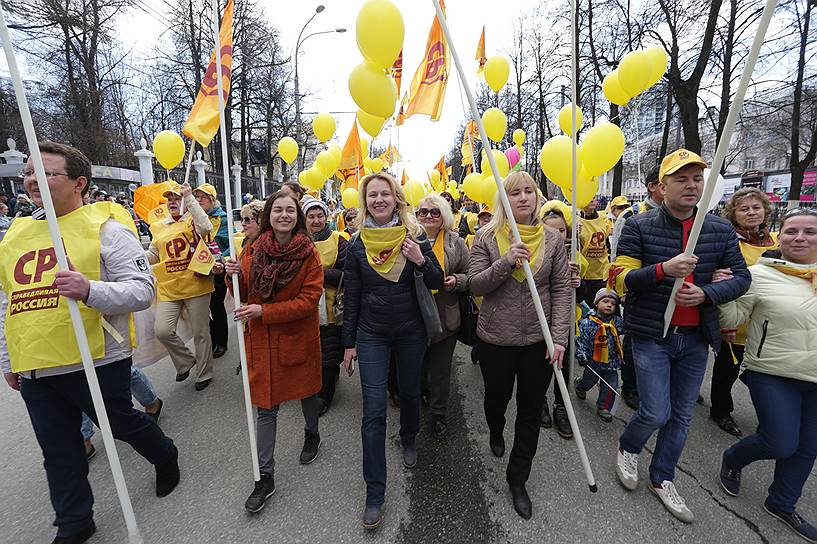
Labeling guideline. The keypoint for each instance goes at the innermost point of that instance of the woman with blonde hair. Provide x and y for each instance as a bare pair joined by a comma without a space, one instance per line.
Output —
749,211
382,315
512,346
437,219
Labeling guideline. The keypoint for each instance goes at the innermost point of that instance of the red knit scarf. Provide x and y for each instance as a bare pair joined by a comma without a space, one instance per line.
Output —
274,264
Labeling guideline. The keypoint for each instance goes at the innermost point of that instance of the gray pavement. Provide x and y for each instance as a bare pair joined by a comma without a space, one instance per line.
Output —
456,494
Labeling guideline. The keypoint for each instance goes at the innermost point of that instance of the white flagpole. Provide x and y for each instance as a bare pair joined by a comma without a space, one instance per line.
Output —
723,147
574,227
134,536
236,294
537,303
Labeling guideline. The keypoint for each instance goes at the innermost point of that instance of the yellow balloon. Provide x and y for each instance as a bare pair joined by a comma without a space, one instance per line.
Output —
288,149
367,171
658,63
487,191
350,198
336,151
496,123
496,72
634,72
566,118
323,125
370,123
471,186
501,163
367,163
586,192
325,163
364,146
377,164
414,191
435,177
168,148
613,91
556,160
519,137
602,147
379,31
372,90
314,178
302,176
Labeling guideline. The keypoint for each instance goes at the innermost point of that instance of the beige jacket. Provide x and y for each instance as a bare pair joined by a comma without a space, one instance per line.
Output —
782,315
448,302
507,316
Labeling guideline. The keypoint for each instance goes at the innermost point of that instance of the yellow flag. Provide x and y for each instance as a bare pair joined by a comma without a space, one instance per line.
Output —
202,260
401,113
404,178
351,160
149,200
390,156
397,70
431,77
440,167
480,56
203,121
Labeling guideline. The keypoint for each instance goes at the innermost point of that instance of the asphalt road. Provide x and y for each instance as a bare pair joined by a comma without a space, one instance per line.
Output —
456,494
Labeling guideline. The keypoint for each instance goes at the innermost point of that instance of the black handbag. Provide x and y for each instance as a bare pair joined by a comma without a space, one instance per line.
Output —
469,315
428,307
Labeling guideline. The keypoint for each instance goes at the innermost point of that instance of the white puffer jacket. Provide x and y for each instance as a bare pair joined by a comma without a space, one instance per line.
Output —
782,314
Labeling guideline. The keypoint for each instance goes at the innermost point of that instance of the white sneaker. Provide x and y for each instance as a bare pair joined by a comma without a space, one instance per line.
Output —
673,501
627,469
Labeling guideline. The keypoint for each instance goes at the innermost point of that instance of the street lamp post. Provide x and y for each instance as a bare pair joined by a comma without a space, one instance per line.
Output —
298,127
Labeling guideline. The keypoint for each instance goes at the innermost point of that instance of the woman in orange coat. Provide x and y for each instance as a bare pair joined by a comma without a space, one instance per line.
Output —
281,280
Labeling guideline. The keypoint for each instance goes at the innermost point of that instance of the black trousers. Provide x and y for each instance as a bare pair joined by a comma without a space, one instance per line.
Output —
551,377
332,357
724,374
55,405
528,366
628,380
218,315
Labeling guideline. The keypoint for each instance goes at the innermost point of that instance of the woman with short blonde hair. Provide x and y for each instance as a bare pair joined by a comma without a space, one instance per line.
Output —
401,207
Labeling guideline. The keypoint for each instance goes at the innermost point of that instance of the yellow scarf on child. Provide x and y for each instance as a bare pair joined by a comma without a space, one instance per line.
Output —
532,236
601,347
384,250
807,272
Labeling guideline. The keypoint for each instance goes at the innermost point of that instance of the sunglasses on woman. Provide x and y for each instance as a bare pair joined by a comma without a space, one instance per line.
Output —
425,212
247,220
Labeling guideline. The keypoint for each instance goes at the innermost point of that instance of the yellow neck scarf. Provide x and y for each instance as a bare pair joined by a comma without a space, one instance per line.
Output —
383,250
532,236
807,272
601,346
439,251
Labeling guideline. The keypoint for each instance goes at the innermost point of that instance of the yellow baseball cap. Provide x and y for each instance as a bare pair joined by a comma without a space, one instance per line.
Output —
620,200
207,189
173,189
677,160
485,209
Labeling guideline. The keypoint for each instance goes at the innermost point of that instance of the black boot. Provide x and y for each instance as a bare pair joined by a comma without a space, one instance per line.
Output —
167,475
546,422
312,442
264,489
521,501
562,423
497,442
631,399
77,538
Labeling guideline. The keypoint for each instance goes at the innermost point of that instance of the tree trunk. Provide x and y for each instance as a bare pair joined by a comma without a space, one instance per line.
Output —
798,165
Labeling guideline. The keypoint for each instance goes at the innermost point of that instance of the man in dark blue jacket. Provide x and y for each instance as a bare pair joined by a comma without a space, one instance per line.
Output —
670,368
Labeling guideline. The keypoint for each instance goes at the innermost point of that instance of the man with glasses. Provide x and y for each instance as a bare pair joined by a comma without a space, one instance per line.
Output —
110,279
670,368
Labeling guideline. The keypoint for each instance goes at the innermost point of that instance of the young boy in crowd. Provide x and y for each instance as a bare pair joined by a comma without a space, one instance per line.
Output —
599,347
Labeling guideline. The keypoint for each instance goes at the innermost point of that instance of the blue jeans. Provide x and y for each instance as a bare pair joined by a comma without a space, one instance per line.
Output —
787,412
141,389
669,374
606,396
373,353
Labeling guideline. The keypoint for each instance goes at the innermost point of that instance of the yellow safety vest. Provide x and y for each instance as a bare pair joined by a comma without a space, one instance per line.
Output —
38,327
176,244
594,247
329,256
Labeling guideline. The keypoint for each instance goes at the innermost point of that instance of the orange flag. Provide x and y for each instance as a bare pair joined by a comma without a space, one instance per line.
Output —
397,70
351,160
390,156
442,170
203,121
148,201
431,77
480,56
401,114
404,179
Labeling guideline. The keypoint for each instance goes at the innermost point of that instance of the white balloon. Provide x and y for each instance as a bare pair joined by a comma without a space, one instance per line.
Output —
717,193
